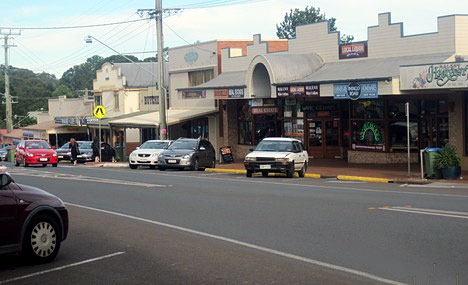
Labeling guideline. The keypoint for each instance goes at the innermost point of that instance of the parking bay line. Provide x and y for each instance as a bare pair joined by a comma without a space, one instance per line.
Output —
449,214
248,245
61,267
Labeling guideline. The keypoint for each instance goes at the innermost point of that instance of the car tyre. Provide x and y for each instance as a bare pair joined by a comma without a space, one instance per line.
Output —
54,165
213,163
162,168
42,239
303,170
264,173
24,163
249,173
152,166
195,166
44,165
290,171
133,166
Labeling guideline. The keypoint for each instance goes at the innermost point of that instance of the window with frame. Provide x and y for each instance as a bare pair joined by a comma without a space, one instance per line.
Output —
199,77
397,125
98,99
368,125
116,101
244,115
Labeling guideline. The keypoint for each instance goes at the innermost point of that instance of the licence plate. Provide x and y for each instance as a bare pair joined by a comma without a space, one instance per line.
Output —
43,159
265,166
60,156
172,161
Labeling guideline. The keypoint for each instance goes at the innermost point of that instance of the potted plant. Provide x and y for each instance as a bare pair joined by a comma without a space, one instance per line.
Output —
448,162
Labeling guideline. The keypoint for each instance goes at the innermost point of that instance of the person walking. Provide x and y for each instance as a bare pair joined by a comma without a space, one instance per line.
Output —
95,147
75,151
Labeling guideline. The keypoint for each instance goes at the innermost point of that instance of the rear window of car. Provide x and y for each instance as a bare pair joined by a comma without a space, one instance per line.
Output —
37,145
154,145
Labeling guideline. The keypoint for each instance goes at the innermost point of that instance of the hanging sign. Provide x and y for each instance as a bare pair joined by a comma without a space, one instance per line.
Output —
356,90
298,90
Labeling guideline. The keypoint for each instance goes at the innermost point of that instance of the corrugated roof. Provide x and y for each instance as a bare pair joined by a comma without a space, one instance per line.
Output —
44,126
224,80
362,69
289,67
140,74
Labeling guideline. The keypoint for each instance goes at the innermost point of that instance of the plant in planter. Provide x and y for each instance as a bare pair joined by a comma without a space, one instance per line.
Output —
448,162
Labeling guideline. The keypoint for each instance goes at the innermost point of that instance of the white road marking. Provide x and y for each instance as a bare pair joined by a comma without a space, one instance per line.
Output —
61,267
449,214
428,186
249,245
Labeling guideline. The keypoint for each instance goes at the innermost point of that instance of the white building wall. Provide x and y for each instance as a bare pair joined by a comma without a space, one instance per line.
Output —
461,35
70,107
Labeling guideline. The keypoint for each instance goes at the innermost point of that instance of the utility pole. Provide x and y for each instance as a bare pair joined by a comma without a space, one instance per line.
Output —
161,87
158,14
9,111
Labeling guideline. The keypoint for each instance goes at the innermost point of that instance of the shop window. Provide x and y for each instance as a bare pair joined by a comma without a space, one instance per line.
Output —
428,107
398,136
265,126
245,122
397,110
199,77
443,132
293,122
368,110
368,135
199,128
443,107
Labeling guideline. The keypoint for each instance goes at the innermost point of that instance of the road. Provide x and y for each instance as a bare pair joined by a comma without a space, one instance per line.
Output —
146,226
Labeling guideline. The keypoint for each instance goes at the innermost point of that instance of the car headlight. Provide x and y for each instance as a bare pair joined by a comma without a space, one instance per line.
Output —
30,154
89,153
54,155
283,159
251,158
133,153
187,156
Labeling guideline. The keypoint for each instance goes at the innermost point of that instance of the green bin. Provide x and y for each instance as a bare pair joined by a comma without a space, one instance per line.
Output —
11,154
429,161
120,153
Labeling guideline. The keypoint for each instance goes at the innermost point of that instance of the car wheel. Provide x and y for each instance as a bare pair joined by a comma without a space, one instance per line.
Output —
44,165
42,239
24,163
290,171
264,174
162,168
54,165
16,162
213,163
133,166
152,166
249,173
303,170
196,166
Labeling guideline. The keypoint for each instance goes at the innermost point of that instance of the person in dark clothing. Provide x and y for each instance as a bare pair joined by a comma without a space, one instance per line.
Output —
74,150
95,147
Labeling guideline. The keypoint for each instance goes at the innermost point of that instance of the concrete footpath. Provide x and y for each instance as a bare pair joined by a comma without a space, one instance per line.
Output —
333,168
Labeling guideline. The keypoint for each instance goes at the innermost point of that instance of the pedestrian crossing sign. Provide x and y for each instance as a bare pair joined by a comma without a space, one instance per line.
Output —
99,112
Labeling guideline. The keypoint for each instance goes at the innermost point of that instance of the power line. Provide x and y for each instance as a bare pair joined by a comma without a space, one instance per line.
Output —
75,27
191,44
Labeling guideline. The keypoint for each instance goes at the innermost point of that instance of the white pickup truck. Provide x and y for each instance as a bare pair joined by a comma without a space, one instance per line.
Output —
280,155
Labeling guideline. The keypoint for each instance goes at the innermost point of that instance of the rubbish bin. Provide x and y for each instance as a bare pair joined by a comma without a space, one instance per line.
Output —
429,161
11,154
120,153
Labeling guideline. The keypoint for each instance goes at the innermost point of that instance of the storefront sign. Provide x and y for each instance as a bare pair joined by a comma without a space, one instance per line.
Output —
320,107
370,129
67,121
193,94
354,50
226,154
234,93
264,110
355,90
151,100
298,90
434,76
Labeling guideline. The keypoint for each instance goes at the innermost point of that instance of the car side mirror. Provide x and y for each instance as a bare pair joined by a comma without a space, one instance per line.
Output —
5,180
202,148
137,147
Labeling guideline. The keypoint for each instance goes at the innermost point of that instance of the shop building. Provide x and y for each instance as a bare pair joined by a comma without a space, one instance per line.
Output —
347,101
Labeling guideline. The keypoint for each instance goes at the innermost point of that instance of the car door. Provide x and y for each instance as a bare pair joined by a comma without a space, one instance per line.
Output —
299,155
204,153
8,217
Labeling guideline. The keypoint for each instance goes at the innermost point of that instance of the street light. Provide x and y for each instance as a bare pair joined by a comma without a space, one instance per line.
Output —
162,105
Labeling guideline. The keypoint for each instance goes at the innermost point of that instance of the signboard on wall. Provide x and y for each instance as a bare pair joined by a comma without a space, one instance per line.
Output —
434,76
196,94
354,50
356,90
231,93
151,100
298,90
264,110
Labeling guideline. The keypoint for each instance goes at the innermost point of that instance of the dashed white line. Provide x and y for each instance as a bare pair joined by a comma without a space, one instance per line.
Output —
61,267
249,245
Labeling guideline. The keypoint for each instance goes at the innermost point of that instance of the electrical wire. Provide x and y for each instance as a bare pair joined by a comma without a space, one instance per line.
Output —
191,44
74,27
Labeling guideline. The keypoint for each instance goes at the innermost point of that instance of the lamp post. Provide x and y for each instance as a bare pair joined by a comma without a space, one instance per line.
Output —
162,98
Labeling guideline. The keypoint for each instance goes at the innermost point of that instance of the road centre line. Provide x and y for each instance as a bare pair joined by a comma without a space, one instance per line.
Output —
61,267
422,212
248,245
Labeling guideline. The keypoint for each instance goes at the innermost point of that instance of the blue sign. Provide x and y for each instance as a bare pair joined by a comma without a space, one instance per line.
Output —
356,90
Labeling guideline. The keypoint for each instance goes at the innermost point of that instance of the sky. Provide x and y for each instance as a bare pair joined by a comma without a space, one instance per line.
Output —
56,50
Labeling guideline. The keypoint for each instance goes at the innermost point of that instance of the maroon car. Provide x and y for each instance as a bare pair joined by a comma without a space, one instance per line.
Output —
32,221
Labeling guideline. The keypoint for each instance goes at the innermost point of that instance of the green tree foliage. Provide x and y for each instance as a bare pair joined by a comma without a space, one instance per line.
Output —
310,15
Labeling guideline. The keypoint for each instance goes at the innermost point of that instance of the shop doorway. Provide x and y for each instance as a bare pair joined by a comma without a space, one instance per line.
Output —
323,138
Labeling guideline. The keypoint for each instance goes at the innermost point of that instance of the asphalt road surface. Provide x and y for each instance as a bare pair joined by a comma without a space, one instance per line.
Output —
146,226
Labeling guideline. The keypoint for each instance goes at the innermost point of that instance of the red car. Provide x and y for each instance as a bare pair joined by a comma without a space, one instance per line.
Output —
35,152
32,221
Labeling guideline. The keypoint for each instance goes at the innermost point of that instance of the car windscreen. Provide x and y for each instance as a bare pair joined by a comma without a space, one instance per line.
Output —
84,145
184,144
37,145
154,145
65,146
279,146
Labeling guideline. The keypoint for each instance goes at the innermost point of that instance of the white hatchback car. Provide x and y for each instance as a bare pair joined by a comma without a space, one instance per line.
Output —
147,153
281,155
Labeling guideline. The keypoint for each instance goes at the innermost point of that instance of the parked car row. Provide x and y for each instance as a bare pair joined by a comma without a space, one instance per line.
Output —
86,152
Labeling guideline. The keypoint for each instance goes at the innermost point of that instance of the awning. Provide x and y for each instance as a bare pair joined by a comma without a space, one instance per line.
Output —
94,123
151,119
234,79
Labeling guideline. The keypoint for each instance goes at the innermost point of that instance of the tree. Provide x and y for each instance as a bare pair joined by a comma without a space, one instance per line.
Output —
310,15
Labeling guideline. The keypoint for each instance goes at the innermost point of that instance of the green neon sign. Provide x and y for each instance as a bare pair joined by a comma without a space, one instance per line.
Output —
373,128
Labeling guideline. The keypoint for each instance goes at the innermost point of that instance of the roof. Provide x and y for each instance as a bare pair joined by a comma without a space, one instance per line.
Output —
16,133
287,67
151,119
224,80
44,126
105,122
140,74
365,69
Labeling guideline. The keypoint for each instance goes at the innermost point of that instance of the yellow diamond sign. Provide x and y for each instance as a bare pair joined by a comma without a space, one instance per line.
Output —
99,112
